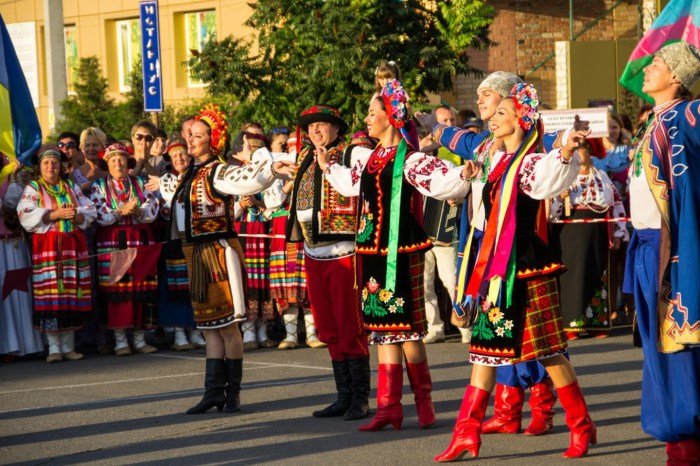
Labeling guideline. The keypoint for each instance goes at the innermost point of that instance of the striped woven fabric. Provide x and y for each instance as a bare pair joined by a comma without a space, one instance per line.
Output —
176,277
257,259
287,271
61,272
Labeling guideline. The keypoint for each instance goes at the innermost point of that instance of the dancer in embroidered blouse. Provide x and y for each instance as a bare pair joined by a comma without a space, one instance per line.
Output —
663,255
513,287
124,211
391,270
55,212
512,380
585,248
202,216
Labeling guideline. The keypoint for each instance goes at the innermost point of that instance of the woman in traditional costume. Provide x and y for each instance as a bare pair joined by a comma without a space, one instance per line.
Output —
55,212
125,209
584,233
391,245
174,304
17,334
513,289
203,217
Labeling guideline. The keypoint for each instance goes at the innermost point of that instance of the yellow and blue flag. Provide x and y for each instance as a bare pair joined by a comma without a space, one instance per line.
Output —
20,133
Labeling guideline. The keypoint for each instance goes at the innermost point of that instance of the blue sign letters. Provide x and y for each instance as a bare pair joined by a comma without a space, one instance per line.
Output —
150,57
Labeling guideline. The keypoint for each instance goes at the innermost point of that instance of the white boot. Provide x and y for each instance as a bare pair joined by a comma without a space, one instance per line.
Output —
264,341
249,339
291,318
466,335
312,340
140,345
54,342
121,346
181,343
197,339
68,346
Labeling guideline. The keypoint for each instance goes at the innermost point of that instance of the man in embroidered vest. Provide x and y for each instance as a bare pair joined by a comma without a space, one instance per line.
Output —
326,222
663,258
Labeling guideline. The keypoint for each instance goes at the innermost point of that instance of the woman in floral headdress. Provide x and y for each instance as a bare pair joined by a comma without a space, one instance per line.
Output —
55,212
390,247
125,208
513,289
202,216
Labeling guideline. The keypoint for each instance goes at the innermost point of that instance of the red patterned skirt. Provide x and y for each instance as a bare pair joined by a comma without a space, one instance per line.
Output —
287,271
129,303
60,281
530,329
257,264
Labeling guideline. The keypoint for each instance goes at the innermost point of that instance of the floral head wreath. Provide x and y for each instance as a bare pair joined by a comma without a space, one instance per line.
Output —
526,101
117,148
395,101
216,119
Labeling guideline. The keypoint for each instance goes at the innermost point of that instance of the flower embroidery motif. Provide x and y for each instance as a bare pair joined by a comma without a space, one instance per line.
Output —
495,315
365,226
491,323
378,301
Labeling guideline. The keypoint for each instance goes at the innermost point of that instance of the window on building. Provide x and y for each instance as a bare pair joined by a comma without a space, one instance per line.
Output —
70,41
200,27
128,50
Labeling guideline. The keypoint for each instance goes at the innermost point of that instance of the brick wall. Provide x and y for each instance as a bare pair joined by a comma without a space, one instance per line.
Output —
524,32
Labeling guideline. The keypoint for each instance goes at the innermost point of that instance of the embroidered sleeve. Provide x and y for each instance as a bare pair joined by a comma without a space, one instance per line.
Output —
556,211
149,206
618,211
244,180
543,176
435,177
274,197
31,216
457,140
85,207
347,180
105,214
168,186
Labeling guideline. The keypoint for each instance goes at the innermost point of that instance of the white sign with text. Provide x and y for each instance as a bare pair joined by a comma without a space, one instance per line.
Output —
558,120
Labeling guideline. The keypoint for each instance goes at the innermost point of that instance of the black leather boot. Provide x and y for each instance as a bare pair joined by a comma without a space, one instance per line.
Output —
359,386
214,383
341,372
234,374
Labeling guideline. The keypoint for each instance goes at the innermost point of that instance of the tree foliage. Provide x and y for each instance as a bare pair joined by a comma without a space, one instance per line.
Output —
309,52
92,106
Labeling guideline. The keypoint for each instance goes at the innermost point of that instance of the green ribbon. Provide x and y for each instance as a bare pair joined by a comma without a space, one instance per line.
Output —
510,277
395,216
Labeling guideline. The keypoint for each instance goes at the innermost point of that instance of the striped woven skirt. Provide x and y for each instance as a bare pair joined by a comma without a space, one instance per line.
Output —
174,306
256,251
213,302
61,281
287,272
529,329
129,304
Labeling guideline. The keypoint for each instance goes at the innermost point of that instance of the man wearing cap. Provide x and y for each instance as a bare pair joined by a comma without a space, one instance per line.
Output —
326,222
511,381
663,258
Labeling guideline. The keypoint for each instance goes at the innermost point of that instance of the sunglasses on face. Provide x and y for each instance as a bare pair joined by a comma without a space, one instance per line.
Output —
140,137
279,130
66,145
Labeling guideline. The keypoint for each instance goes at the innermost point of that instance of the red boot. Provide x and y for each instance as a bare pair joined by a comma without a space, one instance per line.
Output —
683,453
542,400
466,435
507,411
421,385
583,431
389,409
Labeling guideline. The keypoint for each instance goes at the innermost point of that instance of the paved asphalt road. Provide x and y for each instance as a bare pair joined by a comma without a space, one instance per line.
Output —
109,410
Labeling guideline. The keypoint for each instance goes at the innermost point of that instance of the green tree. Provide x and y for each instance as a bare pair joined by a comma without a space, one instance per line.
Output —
325,51
90,105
